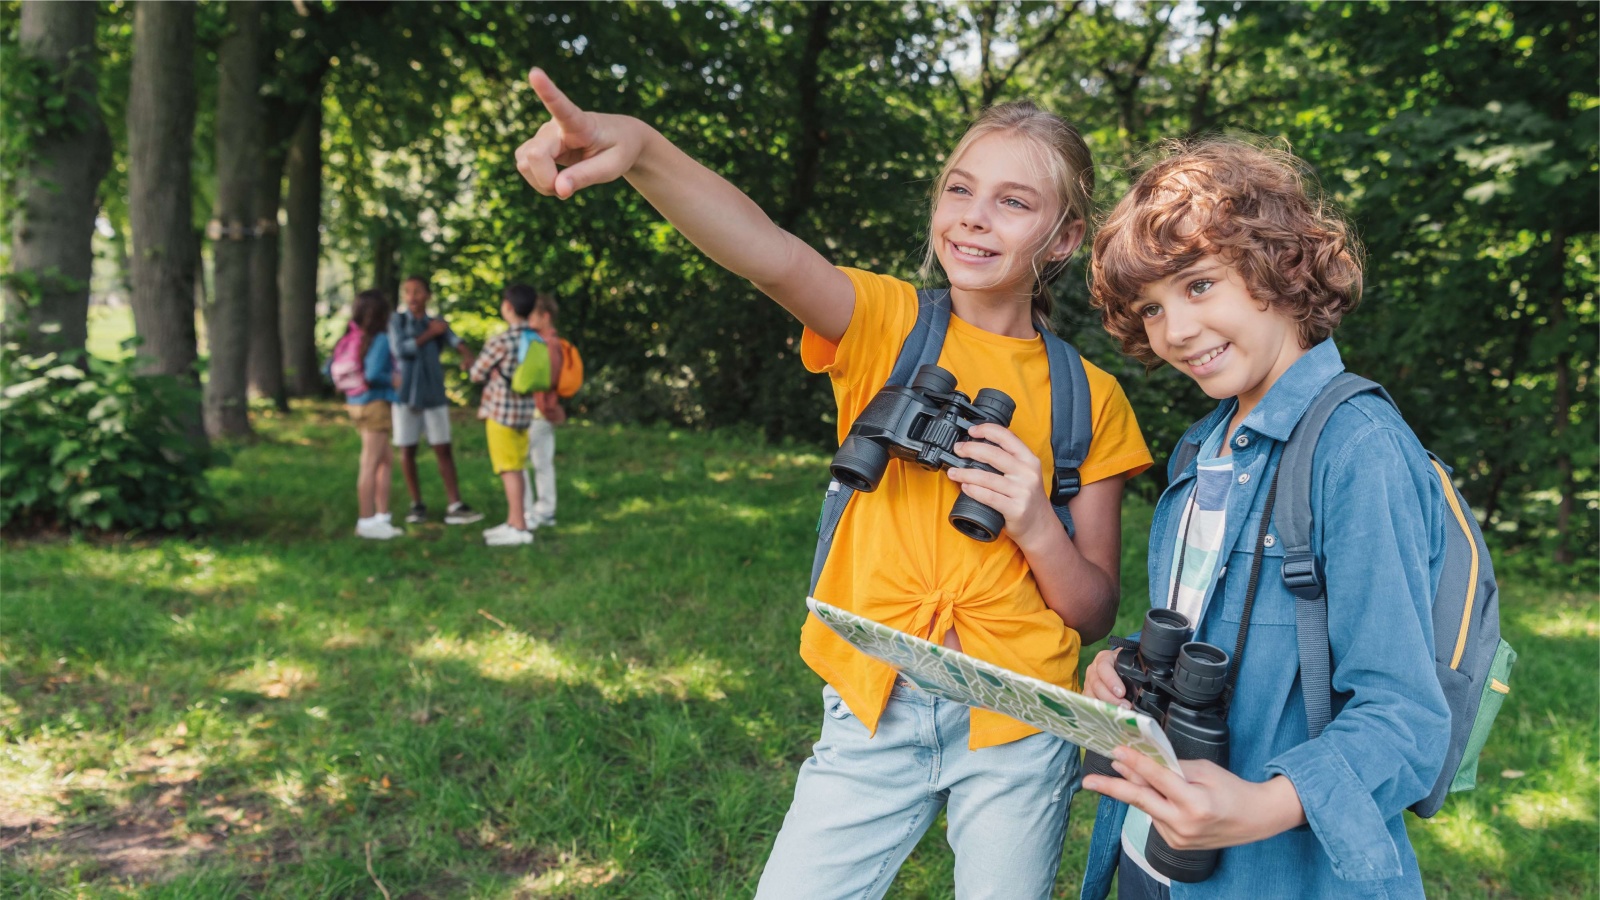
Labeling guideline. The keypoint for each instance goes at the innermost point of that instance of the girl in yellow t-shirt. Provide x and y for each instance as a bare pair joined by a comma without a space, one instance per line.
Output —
1009,209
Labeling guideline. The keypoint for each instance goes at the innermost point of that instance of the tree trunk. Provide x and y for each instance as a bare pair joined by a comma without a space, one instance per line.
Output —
808,154
233,220
297,271
266,352
161,114
51,249
386,265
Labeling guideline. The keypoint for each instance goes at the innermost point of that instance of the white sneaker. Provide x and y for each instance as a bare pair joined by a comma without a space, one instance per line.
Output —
511,537
377,529
498,529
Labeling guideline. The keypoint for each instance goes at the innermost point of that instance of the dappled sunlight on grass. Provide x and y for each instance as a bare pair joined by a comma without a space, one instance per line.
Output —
1467,836
565,875
511,656
1569,620
1536,810
274,678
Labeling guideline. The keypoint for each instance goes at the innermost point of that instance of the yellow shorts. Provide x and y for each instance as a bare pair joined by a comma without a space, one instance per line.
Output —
508,447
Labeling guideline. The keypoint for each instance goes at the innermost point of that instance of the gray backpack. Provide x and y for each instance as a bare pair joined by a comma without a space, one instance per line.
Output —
1070,414
1472,662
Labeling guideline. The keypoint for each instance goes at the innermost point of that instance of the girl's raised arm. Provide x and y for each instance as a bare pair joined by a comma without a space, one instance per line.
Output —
576,149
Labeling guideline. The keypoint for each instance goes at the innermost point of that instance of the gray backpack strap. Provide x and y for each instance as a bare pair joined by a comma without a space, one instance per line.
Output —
1301,574
1071,422
1187,450
922,347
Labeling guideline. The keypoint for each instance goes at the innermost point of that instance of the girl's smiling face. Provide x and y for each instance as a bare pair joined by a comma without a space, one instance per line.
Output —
998,219
1204,323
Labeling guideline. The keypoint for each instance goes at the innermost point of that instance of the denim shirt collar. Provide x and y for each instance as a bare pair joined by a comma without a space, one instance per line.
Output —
1289,398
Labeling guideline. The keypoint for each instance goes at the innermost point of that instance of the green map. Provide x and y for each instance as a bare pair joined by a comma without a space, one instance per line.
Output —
953,675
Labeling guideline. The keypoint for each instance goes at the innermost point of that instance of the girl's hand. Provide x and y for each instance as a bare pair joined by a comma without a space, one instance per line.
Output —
1100,680
1014,489
575,148
1206,808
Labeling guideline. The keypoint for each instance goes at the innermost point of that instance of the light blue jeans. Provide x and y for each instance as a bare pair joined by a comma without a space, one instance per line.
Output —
861,804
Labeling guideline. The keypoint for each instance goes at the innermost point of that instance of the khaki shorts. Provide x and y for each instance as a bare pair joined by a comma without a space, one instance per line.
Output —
373,416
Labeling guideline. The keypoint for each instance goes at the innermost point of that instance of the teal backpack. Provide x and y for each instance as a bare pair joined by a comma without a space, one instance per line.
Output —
1472,662
533,373
1071,422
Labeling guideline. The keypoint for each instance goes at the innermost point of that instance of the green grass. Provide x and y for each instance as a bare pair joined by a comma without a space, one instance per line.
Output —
618,710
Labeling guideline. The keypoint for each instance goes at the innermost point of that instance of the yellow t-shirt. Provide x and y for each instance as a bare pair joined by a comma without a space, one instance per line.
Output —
896,559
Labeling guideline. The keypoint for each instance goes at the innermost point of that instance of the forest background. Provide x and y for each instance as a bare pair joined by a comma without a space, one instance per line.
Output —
217,180
337,146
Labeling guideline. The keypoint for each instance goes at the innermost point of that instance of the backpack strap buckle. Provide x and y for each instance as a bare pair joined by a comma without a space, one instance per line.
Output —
1300,574
1065,485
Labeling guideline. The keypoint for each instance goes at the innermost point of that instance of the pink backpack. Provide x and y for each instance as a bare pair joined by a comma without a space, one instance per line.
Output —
348,368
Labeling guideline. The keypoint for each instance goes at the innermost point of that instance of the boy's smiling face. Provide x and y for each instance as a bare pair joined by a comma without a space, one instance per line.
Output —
1204,323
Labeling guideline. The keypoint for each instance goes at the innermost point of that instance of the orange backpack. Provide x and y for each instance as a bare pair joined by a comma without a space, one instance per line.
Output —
571,375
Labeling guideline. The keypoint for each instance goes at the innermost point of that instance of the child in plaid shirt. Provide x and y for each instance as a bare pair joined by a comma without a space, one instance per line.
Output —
506,413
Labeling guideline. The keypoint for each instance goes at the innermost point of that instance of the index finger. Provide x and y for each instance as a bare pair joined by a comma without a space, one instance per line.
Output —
1152,772
1004,438
564,111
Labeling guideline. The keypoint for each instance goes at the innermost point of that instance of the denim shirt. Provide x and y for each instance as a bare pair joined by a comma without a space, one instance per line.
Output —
421,372
1379,535
379,373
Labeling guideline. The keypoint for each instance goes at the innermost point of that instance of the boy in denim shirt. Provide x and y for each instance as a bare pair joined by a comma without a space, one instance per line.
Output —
1219,263
422,407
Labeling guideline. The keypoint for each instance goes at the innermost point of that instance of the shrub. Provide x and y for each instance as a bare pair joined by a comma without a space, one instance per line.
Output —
89,442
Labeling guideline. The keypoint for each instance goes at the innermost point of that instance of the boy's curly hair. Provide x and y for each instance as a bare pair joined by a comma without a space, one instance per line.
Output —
1255,207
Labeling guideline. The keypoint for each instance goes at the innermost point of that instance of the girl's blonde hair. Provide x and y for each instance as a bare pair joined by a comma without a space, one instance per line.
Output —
1068,164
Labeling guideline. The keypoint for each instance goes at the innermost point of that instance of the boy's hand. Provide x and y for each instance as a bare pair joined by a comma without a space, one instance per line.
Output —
575,148
1100,680
1014,490
435,328
1205,808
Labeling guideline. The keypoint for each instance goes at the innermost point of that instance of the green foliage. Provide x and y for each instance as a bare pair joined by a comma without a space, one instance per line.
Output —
89,443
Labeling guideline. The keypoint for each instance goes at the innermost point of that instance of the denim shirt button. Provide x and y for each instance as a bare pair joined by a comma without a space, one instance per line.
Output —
1241,441
1244,478
1270,541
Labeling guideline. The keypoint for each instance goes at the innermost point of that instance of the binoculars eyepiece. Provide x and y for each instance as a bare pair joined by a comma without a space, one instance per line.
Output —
922,424
1182,684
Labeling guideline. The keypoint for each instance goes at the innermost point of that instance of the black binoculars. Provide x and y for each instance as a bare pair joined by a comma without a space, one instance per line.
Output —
1182,684
923,423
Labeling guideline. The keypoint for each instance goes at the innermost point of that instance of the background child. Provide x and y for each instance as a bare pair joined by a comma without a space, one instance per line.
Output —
547,414
1009,209
369,412
417,339
506,413
1220,264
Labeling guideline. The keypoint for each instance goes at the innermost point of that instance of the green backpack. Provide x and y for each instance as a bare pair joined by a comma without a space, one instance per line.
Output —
533,373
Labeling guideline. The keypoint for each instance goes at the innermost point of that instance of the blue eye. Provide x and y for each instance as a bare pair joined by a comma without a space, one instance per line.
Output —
1014,203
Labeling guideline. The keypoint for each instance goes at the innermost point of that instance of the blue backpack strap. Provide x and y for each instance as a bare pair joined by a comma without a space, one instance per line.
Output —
1301,574
922,347
1071,422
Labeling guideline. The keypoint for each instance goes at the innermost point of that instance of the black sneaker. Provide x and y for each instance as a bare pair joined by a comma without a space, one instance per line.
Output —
461,514
418,514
